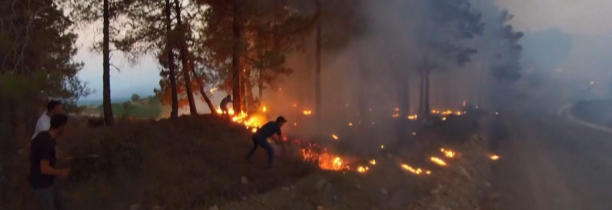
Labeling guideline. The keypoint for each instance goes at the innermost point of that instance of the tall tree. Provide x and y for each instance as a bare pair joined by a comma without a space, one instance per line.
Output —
318,107
185,56
447,25
170,57
106,89
37,48
237,53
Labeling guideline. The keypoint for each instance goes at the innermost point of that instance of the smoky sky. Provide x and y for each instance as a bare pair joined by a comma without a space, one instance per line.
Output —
574,17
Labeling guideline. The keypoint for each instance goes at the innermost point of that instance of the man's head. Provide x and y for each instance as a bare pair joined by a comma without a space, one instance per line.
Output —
228,96
58,123
281,120
54,107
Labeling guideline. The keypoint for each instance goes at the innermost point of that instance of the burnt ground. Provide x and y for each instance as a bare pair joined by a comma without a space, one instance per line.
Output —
198,162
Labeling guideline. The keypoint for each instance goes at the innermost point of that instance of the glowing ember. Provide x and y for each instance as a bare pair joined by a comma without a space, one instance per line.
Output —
334,136
414,133
254,130
412,117
373,162
443,118
395,115
212,90
264,109
362,169
397,109
437,161
350,124
416,171
295,124
294,105
307,112
448,153
494,157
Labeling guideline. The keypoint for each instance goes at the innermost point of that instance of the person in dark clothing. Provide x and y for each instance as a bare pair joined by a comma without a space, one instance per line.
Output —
223,105
260,138
42,175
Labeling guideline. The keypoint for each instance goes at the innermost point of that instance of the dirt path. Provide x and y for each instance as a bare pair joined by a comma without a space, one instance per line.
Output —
550,163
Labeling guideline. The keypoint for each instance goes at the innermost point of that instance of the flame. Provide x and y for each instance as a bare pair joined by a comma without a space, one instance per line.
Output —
212,90
494,157
334,136
437,161
382,146
350,124
254,130
307,112
373,162
416,171
395,115
396,109
264,109
443,118
362,169
412,117
448,153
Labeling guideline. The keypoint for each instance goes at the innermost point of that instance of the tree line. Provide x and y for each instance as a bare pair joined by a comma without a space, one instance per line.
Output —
234,45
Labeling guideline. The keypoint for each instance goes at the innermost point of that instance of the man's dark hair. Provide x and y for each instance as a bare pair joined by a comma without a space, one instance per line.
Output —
228,96
52,104
280,119
58,120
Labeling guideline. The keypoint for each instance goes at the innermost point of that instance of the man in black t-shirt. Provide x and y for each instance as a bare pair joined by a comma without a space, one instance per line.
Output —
42,166
260,138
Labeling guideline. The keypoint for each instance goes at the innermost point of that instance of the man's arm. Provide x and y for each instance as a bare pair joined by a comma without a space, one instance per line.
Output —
47,169
47,153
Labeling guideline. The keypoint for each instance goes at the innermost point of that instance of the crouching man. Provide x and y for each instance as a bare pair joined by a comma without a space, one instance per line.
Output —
260,138
47,194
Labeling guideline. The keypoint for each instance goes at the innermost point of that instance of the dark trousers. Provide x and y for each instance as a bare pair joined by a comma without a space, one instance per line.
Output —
262,142
50,198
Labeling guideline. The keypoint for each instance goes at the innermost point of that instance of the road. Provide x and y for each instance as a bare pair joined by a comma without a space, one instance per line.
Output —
553,162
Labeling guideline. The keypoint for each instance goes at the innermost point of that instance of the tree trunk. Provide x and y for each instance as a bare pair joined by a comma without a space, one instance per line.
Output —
171,66
318,107
106,92
185,59
422,91
427,109
200,82
237,63
260,85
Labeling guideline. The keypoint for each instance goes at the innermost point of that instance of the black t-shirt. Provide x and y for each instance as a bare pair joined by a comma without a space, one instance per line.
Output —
42,148
268,130
224,103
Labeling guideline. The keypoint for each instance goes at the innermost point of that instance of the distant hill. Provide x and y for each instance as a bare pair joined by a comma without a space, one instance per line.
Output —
98,102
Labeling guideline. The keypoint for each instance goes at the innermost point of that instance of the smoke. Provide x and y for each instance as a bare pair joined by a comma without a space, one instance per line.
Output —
376,68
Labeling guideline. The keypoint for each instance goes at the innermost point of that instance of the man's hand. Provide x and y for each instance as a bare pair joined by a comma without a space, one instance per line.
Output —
64,173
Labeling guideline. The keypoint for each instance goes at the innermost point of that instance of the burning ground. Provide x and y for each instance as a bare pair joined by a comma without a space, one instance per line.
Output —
198,163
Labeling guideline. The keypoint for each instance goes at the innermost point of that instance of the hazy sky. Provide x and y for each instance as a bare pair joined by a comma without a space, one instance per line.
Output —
590,17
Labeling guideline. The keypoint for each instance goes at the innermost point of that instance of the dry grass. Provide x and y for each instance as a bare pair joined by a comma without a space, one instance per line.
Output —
196,161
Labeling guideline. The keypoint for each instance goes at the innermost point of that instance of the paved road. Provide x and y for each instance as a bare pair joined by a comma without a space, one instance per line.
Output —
550,162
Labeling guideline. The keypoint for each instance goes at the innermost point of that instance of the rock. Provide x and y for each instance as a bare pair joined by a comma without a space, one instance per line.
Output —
384,191
135,207
320,207
244,180
215,207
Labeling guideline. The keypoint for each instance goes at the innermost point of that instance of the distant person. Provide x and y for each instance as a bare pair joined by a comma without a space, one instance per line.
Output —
260,138
223,105
47,194
44,121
